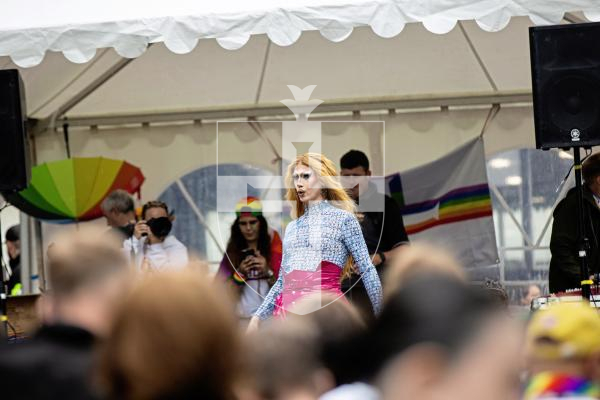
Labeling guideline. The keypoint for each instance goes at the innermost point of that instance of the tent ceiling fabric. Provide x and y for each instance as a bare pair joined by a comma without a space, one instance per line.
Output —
413,64
77,28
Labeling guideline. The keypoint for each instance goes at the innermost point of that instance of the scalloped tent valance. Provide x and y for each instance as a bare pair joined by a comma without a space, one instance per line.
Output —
30,28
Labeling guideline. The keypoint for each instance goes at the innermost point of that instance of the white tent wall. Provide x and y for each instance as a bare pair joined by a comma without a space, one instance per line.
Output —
166,152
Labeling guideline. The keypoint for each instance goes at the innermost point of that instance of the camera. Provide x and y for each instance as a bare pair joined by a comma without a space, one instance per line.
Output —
160,227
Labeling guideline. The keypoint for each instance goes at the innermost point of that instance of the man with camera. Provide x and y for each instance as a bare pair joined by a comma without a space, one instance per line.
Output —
152,246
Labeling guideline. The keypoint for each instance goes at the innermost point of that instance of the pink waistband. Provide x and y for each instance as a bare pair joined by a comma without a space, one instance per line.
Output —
298,283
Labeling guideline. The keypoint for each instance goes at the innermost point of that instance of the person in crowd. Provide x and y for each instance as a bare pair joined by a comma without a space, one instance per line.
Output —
119,210
563,353
13,247
253,256
418,259
438,338
323,240
88,275
152,246
283,362
380,220
533,292
337,324
184,345
565,266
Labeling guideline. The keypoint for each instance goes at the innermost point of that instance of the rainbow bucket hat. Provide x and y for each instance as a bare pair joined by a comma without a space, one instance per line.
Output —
248,206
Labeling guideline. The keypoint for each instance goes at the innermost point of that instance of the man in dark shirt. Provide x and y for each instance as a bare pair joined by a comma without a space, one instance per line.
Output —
380,219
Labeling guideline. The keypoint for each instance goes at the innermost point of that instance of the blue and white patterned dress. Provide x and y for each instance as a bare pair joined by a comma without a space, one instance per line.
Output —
324,233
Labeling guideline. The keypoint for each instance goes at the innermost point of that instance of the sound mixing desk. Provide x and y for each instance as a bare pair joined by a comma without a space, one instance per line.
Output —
570,296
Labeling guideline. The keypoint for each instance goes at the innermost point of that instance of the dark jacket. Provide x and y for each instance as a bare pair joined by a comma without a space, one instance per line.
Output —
15,278
54,364
382,232
565,267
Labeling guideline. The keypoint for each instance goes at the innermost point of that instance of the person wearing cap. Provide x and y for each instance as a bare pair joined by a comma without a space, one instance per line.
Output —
563,353
13,247
253,257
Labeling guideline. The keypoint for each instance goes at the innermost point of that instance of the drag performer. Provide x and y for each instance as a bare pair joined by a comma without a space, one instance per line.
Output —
323,241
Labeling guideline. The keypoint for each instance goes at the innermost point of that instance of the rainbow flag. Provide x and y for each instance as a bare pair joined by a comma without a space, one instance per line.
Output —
448,202
458,205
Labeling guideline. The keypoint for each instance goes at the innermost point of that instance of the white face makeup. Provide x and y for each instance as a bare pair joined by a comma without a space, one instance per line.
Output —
307,184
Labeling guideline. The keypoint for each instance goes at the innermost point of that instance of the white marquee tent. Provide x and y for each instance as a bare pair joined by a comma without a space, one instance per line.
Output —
146,80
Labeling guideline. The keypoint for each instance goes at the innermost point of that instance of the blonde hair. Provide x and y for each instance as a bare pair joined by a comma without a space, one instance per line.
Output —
332,189
80,260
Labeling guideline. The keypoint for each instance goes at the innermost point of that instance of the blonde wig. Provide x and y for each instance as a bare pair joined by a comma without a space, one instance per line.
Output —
332,189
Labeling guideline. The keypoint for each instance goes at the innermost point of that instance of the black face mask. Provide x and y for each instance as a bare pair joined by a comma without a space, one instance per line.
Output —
127,230
160,227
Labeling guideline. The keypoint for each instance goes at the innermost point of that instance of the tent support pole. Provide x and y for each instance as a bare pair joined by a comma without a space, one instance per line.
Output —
262,72
574,19
49,123
267,110
478,57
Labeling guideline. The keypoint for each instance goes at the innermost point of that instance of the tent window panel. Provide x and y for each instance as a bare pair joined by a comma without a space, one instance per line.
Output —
529,182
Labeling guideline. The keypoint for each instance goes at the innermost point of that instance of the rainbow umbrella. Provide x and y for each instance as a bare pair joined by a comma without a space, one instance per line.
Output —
71,190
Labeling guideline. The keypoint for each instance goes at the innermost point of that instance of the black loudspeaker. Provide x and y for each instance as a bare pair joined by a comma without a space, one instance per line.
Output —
14,152
565,72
